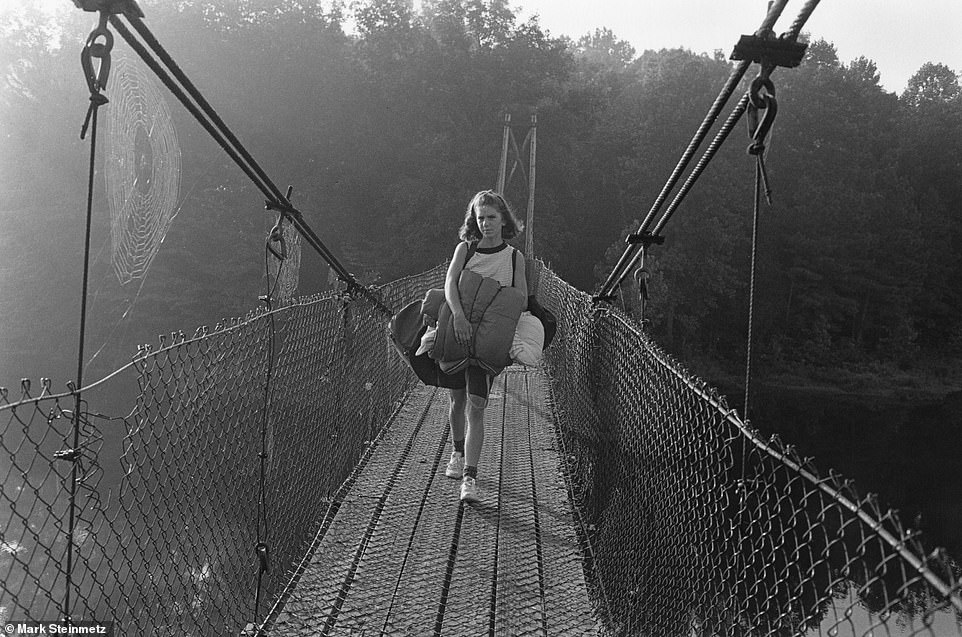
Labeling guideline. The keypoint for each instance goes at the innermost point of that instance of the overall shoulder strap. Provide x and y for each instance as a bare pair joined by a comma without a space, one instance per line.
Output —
472,248
514,263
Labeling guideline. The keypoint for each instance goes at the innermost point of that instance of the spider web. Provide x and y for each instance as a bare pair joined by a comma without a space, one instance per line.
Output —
142,169
286,272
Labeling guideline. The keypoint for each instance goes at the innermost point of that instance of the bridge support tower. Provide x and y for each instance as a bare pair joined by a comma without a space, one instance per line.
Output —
527,150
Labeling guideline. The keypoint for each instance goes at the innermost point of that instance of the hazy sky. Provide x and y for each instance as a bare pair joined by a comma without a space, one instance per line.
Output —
899,35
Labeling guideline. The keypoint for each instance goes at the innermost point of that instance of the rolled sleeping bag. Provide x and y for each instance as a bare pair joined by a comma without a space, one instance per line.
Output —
493,311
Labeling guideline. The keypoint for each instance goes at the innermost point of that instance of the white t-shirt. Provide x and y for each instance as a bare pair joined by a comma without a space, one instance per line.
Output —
495,263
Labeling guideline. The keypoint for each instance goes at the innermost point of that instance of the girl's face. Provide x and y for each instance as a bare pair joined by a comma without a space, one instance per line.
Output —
489,221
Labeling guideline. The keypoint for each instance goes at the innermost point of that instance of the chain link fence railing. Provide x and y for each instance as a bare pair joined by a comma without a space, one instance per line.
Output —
233,437
693,525
198,449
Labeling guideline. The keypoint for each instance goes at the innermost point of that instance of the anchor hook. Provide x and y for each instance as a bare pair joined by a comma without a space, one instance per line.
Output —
760,100
97,79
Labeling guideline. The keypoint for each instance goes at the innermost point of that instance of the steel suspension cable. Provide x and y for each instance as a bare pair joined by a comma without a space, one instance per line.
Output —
737,112
706,158
801,19
166,79
727,91
205,114
165,57
232,146
726,129
716,143
630,253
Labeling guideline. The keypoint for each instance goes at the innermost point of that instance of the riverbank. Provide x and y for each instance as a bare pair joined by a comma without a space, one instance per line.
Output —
930,378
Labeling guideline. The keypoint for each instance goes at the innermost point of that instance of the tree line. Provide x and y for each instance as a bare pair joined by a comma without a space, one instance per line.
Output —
387,118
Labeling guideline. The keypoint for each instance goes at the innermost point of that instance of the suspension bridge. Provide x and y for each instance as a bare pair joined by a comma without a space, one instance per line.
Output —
282,473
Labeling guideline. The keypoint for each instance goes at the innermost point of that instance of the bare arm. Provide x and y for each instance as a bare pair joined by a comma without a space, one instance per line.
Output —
451,294
462,329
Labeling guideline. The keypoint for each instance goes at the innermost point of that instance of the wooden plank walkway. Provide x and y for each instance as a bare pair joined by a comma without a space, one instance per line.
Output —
404,557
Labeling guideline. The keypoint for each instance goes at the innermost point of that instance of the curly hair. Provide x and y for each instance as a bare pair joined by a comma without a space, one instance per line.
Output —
469,229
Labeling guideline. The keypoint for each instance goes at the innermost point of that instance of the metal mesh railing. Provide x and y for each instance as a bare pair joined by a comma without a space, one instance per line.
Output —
187,456
695,526
170,487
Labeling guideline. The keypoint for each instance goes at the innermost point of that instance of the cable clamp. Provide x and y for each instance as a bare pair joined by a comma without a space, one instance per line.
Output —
645,239
70,455
353,289
126,7
767,50
277,232
284,207
263,557
96,101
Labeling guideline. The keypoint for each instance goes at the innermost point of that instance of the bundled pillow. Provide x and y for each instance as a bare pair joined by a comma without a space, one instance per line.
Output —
427,341
430,307
528,343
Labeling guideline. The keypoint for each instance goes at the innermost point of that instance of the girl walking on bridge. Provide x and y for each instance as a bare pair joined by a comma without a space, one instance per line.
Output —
488,222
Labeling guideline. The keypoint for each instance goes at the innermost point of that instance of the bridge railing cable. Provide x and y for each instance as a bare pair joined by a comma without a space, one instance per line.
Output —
693,524
170,449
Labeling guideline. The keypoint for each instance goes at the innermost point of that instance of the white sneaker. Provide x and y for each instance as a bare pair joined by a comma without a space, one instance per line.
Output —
469,490
455,468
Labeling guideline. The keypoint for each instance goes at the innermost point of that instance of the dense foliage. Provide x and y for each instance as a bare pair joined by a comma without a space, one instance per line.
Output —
386,129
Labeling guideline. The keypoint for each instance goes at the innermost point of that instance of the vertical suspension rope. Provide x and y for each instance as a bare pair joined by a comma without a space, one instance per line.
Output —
262,546
761,97
751,285
80,361
96,80
743,487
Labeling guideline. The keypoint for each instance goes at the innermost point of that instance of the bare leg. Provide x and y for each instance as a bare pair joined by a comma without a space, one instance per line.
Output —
474,439
456,413
475,434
